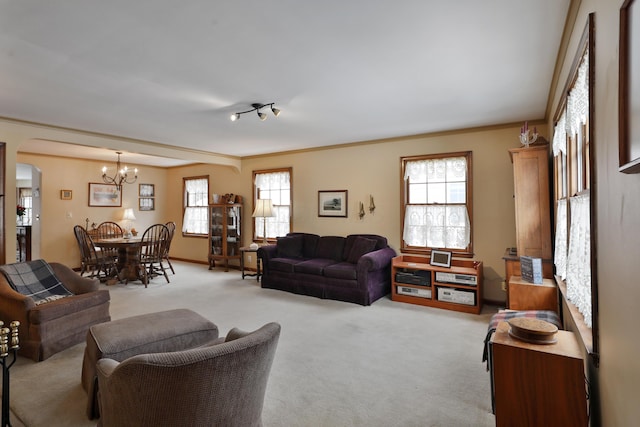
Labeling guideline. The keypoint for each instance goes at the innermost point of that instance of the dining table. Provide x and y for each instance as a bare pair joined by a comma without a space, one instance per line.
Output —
128,256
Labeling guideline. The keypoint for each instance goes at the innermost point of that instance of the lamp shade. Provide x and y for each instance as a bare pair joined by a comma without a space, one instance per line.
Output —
128,215
264,208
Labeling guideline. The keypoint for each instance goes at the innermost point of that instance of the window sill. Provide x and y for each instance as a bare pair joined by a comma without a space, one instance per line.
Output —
195,235
575,320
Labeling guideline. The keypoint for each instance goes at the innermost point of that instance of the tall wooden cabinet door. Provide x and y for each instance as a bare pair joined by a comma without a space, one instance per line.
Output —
531,192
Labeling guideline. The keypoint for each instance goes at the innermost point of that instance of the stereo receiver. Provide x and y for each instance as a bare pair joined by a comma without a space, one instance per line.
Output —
414,292
460,279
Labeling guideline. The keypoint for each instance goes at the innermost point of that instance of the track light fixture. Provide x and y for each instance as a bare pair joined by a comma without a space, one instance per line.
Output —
257,108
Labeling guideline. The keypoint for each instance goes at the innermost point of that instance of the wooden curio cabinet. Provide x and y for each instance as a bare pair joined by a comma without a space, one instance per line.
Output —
225,238
532,207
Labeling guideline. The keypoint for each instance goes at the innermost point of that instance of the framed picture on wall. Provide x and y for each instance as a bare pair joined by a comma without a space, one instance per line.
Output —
66,194
629,88
146,204
332,203
146,190
104,195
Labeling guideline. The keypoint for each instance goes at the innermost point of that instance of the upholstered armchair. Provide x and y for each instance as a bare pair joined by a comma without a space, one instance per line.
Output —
222,384
49,327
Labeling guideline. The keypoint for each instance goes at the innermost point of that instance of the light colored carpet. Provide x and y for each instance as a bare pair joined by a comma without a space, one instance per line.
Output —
337,364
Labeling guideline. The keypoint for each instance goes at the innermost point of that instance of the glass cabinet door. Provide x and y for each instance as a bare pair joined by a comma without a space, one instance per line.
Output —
233,231
217,230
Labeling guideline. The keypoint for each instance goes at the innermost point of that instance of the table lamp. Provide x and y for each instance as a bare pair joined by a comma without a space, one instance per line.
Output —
128,217
264,209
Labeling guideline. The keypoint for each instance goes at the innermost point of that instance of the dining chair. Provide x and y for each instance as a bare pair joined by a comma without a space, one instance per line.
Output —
151,251
99,263
108,230
171,226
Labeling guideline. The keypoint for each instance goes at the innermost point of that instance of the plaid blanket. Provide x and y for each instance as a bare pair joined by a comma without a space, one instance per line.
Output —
504,315
35,279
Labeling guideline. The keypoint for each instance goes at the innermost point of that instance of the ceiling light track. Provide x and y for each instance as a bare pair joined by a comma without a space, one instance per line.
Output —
257,107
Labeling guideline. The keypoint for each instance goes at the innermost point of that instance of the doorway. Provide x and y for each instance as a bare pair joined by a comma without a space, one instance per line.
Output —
28,182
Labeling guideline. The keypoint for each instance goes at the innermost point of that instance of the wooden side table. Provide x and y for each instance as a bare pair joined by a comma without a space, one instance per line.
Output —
524,295
538,384
249,250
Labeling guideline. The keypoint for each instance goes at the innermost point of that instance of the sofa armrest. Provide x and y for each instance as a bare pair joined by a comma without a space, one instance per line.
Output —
14,305
376,260
266,253
74,281
105,367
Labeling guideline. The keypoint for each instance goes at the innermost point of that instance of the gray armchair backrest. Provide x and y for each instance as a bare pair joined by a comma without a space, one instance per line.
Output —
219,385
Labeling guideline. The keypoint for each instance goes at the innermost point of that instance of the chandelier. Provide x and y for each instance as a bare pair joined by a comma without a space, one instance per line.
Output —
121,176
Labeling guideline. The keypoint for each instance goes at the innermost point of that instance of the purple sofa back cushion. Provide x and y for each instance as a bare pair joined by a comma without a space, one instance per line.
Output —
361,246
289,247
330,247
381,242
309,244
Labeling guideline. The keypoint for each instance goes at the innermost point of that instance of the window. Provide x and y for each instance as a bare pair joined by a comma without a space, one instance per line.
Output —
436,194
573,189
196,206
274,184
25,199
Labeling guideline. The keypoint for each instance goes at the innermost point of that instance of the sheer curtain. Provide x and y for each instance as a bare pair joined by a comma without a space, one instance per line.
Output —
437,226
560,258
196,218
573,263
437,215
579,257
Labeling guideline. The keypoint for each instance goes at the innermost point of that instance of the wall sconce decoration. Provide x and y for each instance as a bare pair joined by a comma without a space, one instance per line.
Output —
361,210
372,206
257,107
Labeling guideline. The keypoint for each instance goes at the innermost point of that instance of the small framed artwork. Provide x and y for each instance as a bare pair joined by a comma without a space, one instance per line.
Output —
629,88
104,195
146,190
440,258
66,194
332,203
146,204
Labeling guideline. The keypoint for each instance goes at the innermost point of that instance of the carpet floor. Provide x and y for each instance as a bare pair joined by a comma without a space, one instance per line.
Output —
337,364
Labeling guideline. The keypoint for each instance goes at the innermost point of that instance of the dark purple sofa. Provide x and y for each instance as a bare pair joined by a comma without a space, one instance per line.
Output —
356,268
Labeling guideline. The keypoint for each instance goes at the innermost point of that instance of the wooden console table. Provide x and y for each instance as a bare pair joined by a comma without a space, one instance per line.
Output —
538,384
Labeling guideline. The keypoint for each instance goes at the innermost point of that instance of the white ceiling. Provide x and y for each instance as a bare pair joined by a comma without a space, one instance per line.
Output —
341,71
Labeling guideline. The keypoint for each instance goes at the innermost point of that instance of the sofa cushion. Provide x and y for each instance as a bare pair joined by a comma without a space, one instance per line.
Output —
313,266
341,270
330,247
284,264
381,242
290,246
57,309
310,242
361,246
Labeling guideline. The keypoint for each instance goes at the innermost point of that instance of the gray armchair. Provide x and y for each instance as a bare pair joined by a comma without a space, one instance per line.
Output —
216,385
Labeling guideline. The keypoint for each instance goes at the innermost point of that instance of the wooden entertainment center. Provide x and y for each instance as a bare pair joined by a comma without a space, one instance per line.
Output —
419,282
